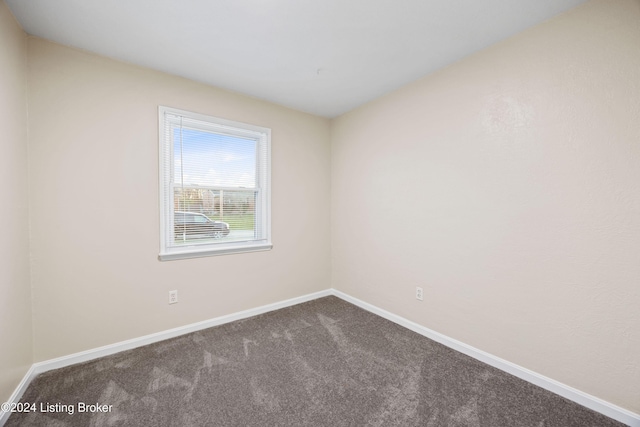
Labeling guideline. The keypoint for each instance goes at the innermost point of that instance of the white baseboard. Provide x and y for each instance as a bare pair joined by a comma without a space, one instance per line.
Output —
594,403
18,392
584,399
107,350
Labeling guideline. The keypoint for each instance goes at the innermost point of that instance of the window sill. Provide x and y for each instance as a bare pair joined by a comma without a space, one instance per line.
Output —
199,253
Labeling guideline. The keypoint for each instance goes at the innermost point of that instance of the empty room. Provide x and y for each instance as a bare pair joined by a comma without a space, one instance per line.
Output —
306,213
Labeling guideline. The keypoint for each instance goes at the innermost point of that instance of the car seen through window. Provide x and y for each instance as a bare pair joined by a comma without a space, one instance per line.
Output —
192,225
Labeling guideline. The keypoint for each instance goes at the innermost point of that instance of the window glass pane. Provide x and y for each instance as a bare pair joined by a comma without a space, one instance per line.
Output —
232,215
211,159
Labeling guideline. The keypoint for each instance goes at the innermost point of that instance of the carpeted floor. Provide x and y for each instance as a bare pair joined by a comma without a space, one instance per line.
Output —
321,363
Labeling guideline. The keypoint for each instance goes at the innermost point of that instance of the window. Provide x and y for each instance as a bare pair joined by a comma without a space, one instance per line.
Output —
214,186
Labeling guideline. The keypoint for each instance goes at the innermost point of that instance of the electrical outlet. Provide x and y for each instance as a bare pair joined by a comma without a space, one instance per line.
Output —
419,293
173,297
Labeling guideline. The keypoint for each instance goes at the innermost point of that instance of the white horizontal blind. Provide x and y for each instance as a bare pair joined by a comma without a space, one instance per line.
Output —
214,185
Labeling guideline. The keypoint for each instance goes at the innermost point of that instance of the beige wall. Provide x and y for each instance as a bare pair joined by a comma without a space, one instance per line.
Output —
94,205
15,292
508,187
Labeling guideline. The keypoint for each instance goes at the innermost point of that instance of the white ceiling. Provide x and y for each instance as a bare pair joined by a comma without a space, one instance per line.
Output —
320,56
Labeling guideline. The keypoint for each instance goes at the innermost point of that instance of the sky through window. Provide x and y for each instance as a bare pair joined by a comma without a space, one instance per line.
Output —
213,159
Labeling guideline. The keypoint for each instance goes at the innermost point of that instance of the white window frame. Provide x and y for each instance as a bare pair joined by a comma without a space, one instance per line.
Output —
262,136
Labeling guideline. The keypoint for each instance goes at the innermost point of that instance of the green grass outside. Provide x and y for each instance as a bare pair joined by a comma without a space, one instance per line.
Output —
237,221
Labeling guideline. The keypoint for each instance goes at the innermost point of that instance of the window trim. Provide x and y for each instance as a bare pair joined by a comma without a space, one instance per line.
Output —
168,252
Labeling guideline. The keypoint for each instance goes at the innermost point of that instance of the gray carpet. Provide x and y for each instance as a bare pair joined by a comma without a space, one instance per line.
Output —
321,363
